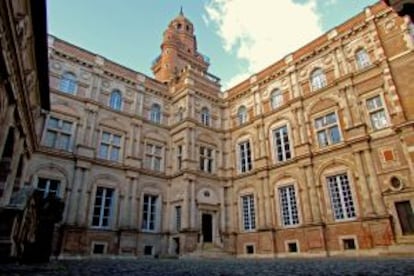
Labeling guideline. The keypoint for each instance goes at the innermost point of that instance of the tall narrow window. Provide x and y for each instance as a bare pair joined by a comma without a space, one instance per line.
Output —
288,206
206,159
155,113
68,83
376,112
318,79
180,114
249,216
242,114
405,217
282,145
48,186
327,130
205,116
153,157
362,58
110,146
58,134
102,207
276,98
341,197
115,100
179,157
178,218
245,157
149,212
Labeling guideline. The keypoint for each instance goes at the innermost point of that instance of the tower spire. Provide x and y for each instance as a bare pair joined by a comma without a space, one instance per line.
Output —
181,10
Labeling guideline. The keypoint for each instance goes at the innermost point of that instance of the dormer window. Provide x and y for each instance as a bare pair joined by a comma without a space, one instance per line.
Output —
179,26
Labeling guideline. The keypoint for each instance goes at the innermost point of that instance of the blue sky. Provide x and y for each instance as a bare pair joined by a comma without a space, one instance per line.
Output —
240,37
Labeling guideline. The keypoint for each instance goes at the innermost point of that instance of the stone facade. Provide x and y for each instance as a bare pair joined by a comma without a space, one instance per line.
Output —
312,156
24,93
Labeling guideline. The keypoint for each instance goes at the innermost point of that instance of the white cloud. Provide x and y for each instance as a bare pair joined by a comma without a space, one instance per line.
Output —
262,31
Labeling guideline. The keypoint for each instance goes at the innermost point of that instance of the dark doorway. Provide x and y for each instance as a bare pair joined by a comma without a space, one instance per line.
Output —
207,226
177,245
405,216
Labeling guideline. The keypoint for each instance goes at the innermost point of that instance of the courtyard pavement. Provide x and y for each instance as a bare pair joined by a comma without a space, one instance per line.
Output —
228,267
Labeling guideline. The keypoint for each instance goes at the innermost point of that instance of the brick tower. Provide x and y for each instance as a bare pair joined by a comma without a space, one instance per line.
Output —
178,50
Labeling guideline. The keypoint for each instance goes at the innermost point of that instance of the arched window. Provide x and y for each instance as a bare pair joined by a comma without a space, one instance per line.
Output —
205,116
276,98
155,113
362,58
68,83
116,100
242,114
318,79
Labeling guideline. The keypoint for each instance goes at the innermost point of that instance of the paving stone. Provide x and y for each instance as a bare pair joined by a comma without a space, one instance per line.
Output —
232,267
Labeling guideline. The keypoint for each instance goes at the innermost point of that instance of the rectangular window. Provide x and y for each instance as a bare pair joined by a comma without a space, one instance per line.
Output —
349,244
153,157
179,157
149,212
282,145
405,216
178,217
341,197
58,134
103,207
48,187
288,206
245,157
376,112
110,146
327,130
206,159
249,217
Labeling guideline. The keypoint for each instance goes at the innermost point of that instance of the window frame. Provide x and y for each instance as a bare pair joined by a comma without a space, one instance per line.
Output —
206,160
102,206
242,116
154,209
205,116
326,127
155,113
376,110
362,58
66,82
277,129
248,220
244,166
318,79
59,132
342,205
276,98
153,156
115,100
110,145
291,222
47,190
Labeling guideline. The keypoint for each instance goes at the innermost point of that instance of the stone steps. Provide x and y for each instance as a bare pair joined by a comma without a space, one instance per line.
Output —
208,251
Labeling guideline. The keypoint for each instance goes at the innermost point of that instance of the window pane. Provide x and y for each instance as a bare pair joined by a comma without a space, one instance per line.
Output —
115,154
67,126
51,137
103,151
116,140
64,141
334,135
106,137
53,123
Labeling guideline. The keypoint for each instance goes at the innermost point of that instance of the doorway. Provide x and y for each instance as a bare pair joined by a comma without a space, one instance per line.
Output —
207,227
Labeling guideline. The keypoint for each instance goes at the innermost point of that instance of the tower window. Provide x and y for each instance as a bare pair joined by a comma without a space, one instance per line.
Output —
179,26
